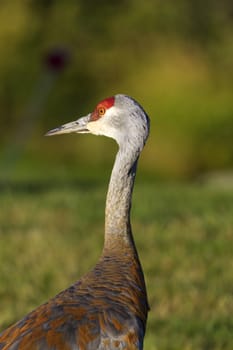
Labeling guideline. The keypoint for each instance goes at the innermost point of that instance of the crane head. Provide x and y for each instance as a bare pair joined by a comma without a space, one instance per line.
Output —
119,117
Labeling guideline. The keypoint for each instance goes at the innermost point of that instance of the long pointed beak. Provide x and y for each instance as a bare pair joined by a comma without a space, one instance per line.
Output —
77,126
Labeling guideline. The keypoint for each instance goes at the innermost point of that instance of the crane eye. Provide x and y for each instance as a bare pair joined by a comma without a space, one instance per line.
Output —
101,111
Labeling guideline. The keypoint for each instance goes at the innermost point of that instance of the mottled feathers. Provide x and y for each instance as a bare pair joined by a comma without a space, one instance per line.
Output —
106,309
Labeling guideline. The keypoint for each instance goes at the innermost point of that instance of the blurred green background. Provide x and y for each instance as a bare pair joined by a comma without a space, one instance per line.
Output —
175,58
58,59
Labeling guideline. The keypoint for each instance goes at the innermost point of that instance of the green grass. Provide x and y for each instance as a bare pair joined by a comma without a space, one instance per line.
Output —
51,235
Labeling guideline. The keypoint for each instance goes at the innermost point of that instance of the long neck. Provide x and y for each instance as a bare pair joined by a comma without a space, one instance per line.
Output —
118,204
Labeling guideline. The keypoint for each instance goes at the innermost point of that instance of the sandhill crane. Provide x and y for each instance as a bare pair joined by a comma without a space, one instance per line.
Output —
107,308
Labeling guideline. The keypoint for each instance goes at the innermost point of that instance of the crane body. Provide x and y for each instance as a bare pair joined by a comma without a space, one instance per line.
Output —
107,308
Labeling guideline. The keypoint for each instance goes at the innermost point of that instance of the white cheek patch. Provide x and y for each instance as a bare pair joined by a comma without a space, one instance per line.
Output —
98,127
95,127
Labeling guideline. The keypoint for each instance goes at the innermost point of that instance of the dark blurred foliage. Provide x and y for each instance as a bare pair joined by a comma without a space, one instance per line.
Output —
58,58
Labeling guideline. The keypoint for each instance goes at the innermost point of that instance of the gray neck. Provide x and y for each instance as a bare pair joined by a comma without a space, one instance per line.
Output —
118,204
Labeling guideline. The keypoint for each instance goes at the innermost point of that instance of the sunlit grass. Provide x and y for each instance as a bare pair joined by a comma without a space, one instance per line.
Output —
50,237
